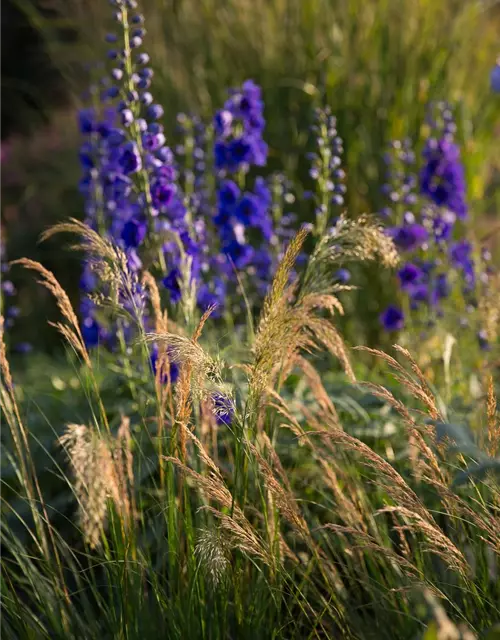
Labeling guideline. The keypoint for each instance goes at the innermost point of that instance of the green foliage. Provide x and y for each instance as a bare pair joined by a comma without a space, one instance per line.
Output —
322,508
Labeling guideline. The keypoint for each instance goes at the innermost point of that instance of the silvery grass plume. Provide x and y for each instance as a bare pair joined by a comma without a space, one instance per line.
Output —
109,262
213,554
489,308
187,286
359,240
205,370
291,320
103,471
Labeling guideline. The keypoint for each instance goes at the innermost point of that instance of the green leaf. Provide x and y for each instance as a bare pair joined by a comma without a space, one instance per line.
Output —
493,633
431,632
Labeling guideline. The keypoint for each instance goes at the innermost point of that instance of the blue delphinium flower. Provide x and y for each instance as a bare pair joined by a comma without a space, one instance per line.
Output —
424,222
392,319
409,237
343,276
400,182
409,275
242,219
223,408
442,178
129,175
495,77
238,130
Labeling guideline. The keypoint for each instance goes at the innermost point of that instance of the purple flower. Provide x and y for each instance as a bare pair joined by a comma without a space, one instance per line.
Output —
240,254
442,286
86,120
130,160
482,338
162,193
133,233
343,276
212,294
134,263
419,292
248,209
223,409
243,112
392,319
127,117
171,282
23,347
495,78
460,253
442,178
92,332
228,195
409,275
240,152
409,237
442,226
8,288
222,123
155,111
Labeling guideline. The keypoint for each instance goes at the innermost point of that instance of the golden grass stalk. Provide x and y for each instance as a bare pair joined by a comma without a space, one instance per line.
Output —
71,332
417,386
10,411
386,475
290,324
435,540
493,420
161,320
283,497
237,529
368,543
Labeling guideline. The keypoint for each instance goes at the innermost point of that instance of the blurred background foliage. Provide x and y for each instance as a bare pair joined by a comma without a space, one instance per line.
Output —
376,62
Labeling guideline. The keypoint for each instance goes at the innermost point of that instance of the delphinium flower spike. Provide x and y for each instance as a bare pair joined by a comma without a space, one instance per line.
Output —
129,180
495,77
326,168
426,217
242,218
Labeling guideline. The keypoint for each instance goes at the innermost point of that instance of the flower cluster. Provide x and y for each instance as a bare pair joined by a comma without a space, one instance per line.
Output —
442,178
193,216
242,216
129,177
429,206
130,185
238,131
8,293
326,167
